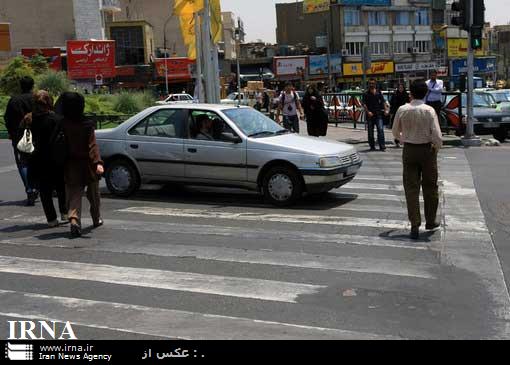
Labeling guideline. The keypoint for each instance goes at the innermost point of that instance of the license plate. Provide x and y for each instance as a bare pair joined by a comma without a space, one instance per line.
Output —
491,125
352,170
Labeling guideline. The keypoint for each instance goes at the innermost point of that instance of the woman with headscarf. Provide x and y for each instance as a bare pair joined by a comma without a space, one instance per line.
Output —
400,98
84,165
315,112
43,171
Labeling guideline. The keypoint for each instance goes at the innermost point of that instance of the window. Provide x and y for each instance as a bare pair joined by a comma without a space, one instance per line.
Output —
167,123
402,47
211,128
354,48
129,46
423,46
352,17
377,18
422,17
380,48
402,18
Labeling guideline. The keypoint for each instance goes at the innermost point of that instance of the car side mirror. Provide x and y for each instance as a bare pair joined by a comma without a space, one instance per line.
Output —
237,140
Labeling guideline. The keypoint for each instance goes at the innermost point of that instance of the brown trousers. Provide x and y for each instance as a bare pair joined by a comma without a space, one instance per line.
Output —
74,199
420,171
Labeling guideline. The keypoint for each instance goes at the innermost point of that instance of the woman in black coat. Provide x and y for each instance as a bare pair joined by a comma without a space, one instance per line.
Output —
315,112
400,98
47,175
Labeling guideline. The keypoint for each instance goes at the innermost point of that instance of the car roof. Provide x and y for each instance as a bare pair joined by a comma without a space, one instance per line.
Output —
210,107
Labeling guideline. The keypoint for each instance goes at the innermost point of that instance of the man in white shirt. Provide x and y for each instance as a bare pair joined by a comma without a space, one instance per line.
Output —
416,125
290,106
435,95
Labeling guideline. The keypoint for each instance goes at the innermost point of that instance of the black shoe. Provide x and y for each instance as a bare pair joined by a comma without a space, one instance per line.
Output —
75,231
99,223
372,150
433,226
415,233
383,149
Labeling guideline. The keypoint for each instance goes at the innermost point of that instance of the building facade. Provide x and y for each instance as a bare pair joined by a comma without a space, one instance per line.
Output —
500,48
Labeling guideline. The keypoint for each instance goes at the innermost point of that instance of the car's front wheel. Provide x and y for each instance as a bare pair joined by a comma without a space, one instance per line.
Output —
122,178
501,135
282,186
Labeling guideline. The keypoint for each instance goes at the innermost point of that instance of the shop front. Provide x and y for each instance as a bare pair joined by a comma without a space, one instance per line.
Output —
381,71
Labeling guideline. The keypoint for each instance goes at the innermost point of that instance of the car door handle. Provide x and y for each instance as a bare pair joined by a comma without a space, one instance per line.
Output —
134,146
192,150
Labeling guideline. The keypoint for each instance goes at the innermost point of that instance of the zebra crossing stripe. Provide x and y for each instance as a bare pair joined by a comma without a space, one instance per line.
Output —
164,323
160,279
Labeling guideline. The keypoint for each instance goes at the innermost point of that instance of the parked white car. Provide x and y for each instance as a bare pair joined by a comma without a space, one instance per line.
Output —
177,99
220,145
233,99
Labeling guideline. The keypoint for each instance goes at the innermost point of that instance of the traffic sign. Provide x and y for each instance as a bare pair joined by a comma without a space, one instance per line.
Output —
99,79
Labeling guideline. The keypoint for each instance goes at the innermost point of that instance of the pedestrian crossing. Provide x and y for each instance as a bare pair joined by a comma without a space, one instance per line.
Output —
341,268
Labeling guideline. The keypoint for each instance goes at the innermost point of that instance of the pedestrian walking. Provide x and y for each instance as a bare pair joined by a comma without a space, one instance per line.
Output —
43,170
375,107
84,166
290,107
17,108
435,93
416,125
400,98
266,101
315,112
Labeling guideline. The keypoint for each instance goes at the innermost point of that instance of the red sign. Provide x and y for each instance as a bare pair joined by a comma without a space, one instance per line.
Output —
86,59
52,56
178,68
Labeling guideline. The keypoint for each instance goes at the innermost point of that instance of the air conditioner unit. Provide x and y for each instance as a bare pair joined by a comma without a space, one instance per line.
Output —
345,52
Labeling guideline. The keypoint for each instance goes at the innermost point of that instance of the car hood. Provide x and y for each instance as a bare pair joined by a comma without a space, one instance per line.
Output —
490,113
300,144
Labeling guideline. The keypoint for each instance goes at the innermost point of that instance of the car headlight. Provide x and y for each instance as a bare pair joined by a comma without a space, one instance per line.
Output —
326,162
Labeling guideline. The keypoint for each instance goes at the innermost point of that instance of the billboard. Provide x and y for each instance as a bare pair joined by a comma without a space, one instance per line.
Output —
52,55
366,2
458,47
178,67
290,66
378,68
87,59
482,65
5,37
315,6
414,67
318,65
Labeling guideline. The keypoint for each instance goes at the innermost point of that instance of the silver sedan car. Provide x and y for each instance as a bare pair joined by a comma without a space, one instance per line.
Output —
221,145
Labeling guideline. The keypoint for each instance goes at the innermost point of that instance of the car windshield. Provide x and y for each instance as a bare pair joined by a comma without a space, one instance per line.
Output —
501,97
253,123
480,100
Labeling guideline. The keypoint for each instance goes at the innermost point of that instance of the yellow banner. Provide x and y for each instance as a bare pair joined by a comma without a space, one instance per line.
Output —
315,6
378,68
458,48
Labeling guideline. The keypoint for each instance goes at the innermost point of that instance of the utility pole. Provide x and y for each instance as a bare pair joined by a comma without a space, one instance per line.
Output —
199,79
238,55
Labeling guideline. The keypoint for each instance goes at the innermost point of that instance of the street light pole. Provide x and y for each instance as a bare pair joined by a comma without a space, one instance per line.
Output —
238,63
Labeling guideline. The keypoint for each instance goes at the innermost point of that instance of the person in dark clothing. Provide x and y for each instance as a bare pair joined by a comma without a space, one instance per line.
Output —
400,98
17,108
48,176
266,101
315,112
84,165
375,107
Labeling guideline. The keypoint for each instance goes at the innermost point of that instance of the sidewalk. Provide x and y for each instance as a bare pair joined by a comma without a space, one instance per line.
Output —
346,133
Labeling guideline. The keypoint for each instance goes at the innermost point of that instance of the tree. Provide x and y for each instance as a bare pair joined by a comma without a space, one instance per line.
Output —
11,76
39,64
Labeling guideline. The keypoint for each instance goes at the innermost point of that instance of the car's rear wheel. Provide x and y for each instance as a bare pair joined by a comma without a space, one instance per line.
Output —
122,178
282,186
501,135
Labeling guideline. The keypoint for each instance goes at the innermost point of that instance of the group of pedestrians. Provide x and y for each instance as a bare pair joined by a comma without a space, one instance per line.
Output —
56,151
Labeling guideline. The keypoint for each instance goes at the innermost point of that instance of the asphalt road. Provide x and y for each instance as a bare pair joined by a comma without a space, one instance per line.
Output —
196,263
491,171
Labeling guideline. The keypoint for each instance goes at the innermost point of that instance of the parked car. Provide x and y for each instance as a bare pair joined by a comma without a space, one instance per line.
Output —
177,99
233,99
488,119
248,150
502,99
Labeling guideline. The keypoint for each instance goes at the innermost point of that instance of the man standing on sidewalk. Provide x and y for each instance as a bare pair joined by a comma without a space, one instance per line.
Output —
376,107
417,127
289,106
17,108
435,93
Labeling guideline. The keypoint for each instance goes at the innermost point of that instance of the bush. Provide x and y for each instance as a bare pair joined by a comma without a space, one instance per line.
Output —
146,99
13,73
127,103
54,82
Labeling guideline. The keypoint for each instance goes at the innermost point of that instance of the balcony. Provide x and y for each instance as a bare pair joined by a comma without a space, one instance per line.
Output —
110,6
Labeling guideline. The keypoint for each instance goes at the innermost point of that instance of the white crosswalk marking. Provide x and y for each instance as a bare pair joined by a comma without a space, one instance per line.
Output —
6,169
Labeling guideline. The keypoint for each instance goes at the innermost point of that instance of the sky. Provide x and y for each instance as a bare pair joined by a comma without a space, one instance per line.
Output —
259,16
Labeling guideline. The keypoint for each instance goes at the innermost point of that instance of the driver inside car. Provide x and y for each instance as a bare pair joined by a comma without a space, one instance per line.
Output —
205,128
